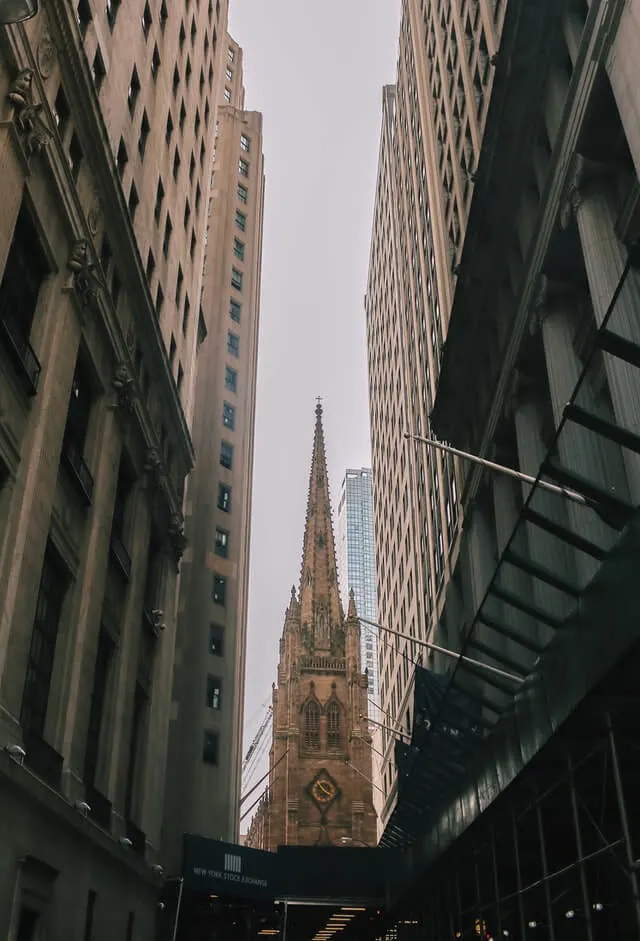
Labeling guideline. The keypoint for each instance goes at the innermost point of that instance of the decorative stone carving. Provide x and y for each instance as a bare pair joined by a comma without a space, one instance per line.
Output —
46,55
153,466
28,119
124,386
94,216
86,283
177,538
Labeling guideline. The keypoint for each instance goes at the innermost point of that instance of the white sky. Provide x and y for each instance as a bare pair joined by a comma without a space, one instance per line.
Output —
316,71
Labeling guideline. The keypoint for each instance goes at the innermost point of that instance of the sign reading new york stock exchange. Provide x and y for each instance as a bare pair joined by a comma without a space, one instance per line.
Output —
228,869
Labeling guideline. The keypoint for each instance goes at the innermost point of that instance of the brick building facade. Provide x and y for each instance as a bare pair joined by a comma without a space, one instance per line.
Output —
320,763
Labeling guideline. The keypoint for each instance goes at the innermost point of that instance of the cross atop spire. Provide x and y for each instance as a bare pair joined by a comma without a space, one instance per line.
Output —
320,607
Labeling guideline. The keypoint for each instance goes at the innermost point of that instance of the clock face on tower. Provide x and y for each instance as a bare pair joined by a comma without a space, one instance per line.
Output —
323,790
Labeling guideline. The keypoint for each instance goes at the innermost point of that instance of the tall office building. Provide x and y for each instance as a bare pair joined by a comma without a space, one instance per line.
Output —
357,564
509,149
107,116
208,694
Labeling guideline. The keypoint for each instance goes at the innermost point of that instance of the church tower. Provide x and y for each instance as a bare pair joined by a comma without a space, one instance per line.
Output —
320,761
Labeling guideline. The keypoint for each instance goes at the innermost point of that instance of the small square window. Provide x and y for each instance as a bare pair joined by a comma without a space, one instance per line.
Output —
192,168
243,193
157,212
185,315
176,164
144,135
179,285
75,157
226,454
169,131
230,379
230,54
98,70
182,36
224,498
164,15
134,90
147,20
233,343
210,747
238,249
241,220
133,201
198,197
155,63
111,9
228,416
159,300
234,310
183,116
192,247
187,70
166,241
187,214
216,639
176,81
236,279
229,75
122,159
227,95
194,31
219,592
222,543
243,167
245,143
214,692
61,113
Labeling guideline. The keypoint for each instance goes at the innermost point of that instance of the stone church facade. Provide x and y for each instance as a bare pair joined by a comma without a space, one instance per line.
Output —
320,762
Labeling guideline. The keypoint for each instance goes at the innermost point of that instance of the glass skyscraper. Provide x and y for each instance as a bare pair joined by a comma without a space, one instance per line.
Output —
357,563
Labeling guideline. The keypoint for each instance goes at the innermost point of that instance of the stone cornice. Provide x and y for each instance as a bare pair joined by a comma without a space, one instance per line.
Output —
80,92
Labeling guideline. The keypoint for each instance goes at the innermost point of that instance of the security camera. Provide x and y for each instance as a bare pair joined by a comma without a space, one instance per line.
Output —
125,842
157,868
83,808
161,906
17,752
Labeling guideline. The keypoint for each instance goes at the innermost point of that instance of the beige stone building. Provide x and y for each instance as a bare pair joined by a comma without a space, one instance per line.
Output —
497,252
319,789
107,118
208,692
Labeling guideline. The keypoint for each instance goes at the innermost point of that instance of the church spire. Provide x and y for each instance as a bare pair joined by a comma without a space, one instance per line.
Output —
320,607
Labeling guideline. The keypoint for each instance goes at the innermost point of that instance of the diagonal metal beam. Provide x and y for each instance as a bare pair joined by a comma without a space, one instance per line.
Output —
499,657
532,610
612,510
618,346
608,429
541,572
517,638
564,534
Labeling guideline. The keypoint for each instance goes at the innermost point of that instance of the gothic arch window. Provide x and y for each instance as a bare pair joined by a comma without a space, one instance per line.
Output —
333,724
311,725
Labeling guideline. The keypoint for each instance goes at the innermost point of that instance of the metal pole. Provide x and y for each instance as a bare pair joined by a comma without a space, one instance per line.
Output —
624,820
496,883
545,871
178,907
501,469
516,850
389,728
284,922
579,846
368,780
447,653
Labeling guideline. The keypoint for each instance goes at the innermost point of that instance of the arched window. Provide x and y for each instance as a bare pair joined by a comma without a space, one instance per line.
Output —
333,725
311,725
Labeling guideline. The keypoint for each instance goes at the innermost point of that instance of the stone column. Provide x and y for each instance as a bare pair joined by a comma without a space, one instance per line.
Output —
544,548
623,69
579,450
604,259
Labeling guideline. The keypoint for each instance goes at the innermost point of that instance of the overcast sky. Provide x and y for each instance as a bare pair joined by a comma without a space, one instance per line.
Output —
315,71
